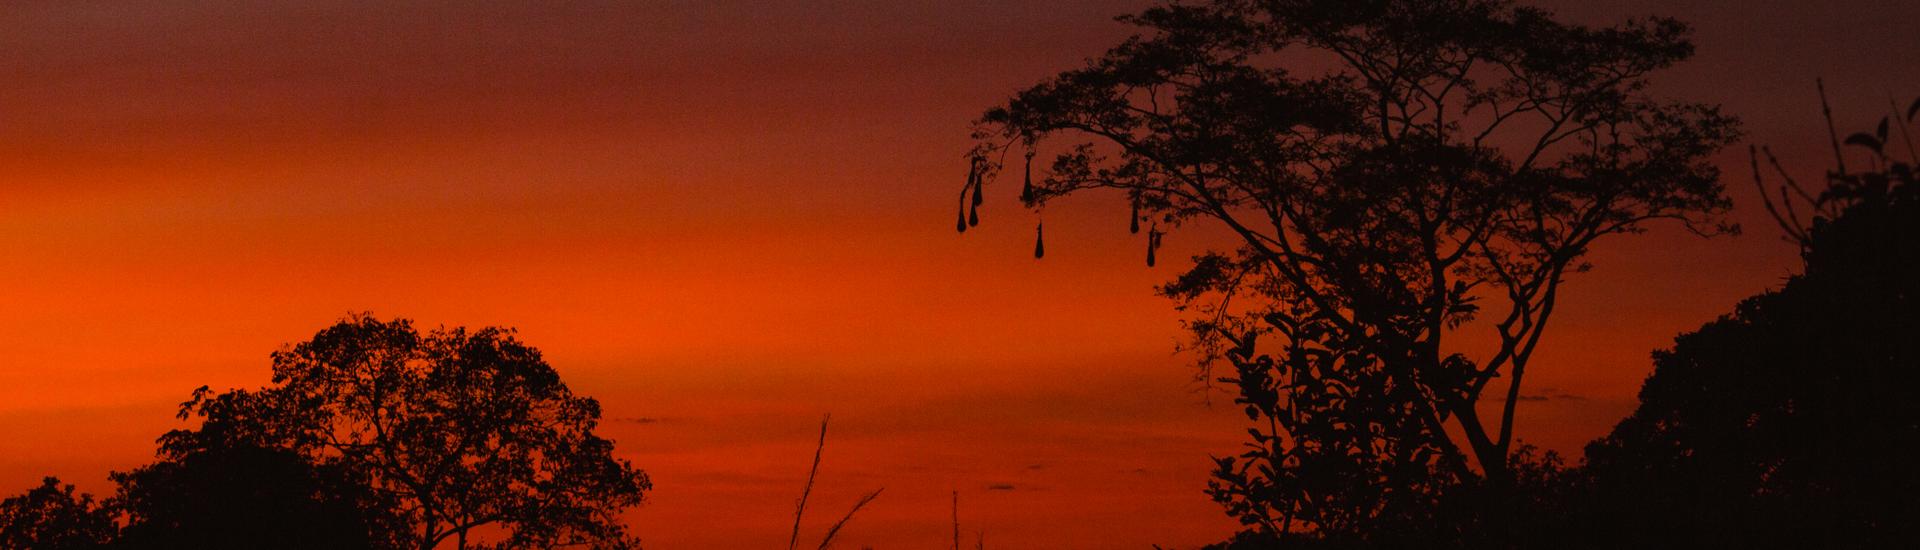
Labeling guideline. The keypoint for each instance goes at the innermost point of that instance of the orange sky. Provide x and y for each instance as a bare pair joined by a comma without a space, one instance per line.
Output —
726,220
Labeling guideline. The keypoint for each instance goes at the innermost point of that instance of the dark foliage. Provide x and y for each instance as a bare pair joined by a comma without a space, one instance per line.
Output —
244,497
1789,422
53,517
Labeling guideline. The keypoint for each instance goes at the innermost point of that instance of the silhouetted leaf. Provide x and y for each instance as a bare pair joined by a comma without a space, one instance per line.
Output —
1913,109
1864,140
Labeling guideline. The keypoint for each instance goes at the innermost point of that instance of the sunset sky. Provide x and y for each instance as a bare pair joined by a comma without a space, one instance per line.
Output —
723,220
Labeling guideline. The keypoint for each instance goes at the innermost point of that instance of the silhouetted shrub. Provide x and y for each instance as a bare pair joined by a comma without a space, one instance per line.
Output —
1791,422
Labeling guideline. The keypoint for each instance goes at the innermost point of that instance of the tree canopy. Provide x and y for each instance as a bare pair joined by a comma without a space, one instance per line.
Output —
462,432
1393,170
373,435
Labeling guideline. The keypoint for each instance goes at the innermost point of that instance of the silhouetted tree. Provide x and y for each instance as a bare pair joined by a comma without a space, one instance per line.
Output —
1788,423
247,497
53,517
461,431
1390,167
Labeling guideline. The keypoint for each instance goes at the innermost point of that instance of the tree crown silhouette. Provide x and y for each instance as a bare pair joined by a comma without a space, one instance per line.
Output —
1392,169
461,431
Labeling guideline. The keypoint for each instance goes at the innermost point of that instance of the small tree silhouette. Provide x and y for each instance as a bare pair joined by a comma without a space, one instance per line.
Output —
458,430
1392,168
372,436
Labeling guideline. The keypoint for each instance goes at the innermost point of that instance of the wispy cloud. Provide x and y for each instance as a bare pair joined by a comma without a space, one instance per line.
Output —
1549,394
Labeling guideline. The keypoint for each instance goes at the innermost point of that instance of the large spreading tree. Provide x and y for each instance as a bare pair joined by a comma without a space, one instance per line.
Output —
1395,171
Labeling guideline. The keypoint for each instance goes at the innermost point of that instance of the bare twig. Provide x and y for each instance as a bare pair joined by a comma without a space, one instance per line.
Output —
825,542
793,542
1788,224
1784,176
1826,109
1901,121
